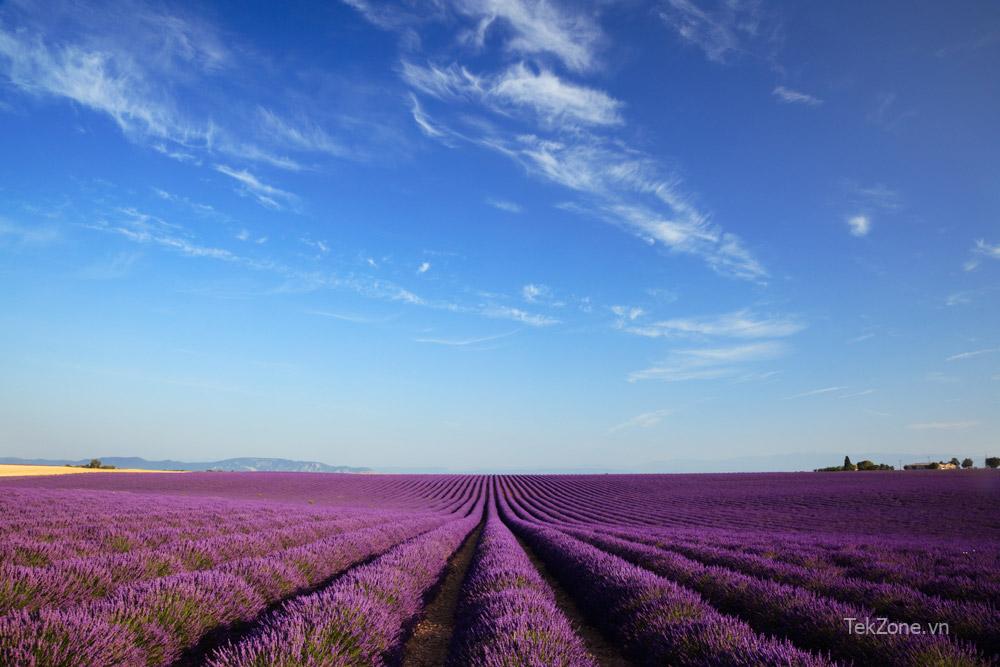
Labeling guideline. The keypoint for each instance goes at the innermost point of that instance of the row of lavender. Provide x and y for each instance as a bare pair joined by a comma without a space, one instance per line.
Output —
966,568
408,492
941,509
150,605
362,617
136,552
653,619
507,614
41,527
663,591
971,615
79,514
804,606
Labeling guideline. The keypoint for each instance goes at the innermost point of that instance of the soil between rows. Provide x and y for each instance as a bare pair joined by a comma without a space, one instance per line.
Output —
430,640
603,651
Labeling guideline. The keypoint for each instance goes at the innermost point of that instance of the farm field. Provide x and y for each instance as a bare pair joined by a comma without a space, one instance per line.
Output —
241,569
16,470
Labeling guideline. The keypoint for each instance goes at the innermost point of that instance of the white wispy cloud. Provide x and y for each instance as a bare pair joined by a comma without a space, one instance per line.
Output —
789,96
943,426
815,392
739,324
518,315
533,293
556,100
267,195
423,121
644,420
958,299
157,75
463,342
303,134
992,251
974,353
981,250
736,353
243,235
452,82
719,32
146,229
670,373
859,225
204,209
620,179
138,231
627,314
526,27
127,64
854,394
388,16
345,317
536,27
101,75
176,154
406,296
616,177
321,246
544,94
504,205
614,182
709,363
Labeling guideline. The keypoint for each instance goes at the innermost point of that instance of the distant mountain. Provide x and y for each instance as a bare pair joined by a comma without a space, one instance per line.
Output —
769,463
245,464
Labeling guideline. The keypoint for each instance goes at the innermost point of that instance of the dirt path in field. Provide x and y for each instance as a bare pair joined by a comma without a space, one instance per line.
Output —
604,652
431,638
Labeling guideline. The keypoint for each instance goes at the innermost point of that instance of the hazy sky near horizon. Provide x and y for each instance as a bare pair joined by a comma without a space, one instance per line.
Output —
479,233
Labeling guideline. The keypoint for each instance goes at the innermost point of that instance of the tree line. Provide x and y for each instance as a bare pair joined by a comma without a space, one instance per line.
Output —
991,462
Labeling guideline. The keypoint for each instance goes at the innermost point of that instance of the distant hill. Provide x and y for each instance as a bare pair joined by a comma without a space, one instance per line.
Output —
245,464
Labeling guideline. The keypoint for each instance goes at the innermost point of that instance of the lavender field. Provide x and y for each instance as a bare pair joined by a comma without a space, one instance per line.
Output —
255,569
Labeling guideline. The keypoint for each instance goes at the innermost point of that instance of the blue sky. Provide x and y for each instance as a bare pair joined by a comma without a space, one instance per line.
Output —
477,233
